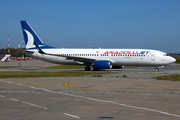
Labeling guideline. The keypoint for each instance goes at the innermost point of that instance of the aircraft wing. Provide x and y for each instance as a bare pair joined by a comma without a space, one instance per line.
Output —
80,59
75,58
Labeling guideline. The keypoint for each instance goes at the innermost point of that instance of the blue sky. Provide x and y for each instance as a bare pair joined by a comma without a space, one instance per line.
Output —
151,24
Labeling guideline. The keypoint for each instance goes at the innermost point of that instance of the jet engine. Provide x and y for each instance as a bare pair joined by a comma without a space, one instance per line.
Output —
102,64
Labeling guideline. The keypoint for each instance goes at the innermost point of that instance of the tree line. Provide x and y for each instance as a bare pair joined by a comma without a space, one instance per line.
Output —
14,52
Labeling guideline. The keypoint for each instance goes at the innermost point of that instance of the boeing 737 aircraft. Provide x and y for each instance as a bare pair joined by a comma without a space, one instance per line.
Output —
98,58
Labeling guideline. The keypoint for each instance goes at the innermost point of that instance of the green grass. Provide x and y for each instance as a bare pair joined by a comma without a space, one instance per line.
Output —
177,61
73,67
129,66
7,67
66,67
170,77
23,74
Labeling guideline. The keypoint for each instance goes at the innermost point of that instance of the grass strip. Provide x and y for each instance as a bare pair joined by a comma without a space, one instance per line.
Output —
23,74
169,77
73,67
177,61
66,67
7,67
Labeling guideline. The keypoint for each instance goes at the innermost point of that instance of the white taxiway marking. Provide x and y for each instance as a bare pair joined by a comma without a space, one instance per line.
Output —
19,84
26,102
31,87
166,113
34,105
7,82
71,115
1,96
13,99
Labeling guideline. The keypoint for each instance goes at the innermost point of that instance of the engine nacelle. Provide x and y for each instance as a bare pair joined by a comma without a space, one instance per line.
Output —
103,64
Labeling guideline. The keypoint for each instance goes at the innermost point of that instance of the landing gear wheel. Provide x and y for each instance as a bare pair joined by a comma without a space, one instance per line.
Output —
156,69
87,68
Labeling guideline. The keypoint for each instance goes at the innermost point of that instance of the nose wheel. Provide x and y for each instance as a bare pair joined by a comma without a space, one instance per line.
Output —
156,69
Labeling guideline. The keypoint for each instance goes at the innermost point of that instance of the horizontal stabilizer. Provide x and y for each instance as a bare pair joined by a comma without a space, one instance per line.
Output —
38,48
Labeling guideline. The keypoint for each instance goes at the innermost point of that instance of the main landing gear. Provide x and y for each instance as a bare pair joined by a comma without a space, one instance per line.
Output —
156,69
87,68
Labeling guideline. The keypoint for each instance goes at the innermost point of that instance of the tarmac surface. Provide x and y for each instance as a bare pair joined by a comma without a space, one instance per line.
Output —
137,96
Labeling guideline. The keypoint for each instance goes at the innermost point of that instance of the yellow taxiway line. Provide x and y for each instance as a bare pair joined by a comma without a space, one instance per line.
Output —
67,85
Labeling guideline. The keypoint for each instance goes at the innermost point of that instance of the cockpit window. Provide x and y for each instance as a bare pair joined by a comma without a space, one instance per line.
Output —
165,55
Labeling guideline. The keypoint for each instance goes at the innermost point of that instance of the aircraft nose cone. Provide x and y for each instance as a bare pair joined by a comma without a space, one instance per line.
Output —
172,60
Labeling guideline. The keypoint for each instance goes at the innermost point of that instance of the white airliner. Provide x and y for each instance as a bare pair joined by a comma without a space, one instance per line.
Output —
98,58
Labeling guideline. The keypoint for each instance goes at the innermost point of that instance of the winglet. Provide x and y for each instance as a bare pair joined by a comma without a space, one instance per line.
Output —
38,48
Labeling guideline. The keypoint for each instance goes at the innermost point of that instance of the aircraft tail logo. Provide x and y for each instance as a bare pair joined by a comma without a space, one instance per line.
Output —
30,36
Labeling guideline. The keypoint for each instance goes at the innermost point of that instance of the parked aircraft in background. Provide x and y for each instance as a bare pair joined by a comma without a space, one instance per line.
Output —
98,58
